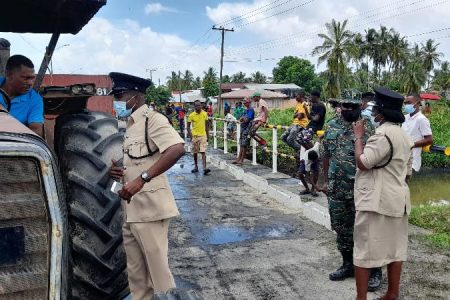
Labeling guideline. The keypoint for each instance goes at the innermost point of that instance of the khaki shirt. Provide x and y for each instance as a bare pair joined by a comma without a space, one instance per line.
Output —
155,201
384,190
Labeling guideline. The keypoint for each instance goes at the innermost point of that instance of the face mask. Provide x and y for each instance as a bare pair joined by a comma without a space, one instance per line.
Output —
366,112
375,123
409,108
121,108
351,115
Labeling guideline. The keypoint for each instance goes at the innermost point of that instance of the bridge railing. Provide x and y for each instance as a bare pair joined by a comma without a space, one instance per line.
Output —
274,150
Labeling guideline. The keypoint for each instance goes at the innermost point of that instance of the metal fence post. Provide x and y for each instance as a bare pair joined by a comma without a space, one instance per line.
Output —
225,142
215,133
254,152
274,149
238,136
185,131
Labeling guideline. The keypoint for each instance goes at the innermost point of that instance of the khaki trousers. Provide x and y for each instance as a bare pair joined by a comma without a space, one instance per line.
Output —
146,246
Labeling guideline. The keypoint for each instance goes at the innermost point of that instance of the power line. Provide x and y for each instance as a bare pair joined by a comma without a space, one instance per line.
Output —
311,35
276,14
243,16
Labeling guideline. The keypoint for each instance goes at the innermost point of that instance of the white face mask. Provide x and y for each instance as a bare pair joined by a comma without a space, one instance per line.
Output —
375,123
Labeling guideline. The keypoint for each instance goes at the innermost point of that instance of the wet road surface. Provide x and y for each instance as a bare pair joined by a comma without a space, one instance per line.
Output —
231,242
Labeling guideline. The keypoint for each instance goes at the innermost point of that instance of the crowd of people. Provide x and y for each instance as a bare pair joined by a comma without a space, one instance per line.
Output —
367,155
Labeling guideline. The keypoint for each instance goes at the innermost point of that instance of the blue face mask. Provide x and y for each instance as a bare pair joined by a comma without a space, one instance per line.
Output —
121,108
409,108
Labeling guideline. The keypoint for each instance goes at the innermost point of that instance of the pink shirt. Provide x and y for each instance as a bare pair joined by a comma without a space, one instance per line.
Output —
262,115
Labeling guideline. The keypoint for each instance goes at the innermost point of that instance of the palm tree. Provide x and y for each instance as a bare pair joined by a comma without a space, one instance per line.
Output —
430,57
210,75
239,77
397,51
414,76
197,83
188,80
337,49
173,81
258,77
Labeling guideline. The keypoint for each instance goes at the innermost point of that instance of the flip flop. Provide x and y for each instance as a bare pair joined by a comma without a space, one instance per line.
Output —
206,171
194,171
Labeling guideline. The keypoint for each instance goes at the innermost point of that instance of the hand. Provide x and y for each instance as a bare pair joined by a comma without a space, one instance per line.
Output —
358,128
116,171
131,188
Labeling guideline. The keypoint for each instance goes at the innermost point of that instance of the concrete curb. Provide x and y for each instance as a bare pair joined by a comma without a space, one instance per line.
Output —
311,210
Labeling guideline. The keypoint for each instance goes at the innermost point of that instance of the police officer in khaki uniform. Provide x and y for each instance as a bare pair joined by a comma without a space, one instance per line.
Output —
151,147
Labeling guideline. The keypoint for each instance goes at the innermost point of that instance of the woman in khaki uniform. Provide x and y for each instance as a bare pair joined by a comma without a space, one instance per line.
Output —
382,195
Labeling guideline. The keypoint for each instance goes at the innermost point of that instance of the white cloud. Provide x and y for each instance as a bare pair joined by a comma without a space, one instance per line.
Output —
156,8
102,47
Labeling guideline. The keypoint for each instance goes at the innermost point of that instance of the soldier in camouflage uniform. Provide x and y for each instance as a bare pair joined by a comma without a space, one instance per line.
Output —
339,163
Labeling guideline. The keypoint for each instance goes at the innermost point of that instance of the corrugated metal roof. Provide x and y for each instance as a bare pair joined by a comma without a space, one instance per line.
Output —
232,86
272,86
241,94
190,96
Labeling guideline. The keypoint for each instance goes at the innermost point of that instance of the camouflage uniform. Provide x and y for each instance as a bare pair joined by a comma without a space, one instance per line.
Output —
339,146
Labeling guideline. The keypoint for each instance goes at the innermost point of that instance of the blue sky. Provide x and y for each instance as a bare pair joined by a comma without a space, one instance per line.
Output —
134,36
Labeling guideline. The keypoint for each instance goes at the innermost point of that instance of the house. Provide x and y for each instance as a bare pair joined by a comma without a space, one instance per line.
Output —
289,89
188,96
273,99
228,87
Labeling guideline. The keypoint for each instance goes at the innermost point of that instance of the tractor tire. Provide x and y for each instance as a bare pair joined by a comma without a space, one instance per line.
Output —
86,143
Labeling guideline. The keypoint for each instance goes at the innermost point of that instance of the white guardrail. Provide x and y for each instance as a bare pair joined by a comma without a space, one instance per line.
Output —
225,137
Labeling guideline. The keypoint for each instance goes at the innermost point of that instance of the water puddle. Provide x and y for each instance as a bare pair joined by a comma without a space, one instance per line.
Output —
227,234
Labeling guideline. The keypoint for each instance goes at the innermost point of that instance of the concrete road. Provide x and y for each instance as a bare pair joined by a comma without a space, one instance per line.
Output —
233,243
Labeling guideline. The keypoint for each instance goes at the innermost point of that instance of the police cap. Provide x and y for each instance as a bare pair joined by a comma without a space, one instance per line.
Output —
124,82
388,99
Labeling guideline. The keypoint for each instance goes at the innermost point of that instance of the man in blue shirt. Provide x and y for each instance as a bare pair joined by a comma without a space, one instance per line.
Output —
245,120
24,103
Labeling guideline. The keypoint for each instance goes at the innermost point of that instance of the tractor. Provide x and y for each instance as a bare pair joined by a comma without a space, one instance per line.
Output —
60,225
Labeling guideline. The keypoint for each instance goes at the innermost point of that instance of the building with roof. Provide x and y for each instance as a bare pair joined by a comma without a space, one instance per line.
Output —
273,99
289,89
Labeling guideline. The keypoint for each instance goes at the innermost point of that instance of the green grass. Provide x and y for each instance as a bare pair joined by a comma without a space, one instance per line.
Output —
436,219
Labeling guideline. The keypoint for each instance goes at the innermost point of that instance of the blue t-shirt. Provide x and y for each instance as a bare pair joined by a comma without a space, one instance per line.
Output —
249,114
27,108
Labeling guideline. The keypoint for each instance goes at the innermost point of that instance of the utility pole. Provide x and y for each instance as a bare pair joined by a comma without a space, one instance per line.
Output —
222,29
151,73
179,84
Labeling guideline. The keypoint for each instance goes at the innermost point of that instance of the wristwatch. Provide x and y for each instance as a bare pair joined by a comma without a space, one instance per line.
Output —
146,177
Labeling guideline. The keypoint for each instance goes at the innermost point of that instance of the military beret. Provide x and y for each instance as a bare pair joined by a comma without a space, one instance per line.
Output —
124,82
388,99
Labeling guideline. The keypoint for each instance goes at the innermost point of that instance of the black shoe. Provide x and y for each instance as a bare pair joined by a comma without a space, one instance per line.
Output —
375,279
346,271
206,171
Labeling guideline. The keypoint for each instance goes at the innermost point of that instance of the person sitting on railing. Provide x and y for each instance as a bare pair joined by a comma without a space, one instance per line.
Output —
231,120
244,141
261,119
300,122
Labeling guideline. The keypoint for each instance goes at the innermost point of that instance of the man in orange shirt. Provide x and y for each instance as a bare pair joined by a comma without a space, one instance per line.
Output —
301,120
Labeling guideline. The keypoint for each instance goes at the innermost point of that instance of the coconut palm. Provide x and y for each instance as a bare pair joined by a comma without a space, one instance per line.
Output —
258,77
188,80
210,75
173,81
337,49
239,77
397,51
430,57
413,77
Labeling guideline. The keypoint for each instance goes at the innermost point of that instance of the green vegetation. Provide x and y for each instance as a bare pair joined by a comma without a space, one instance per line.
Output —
435,218
440,125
